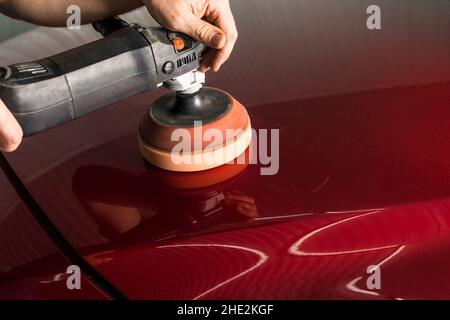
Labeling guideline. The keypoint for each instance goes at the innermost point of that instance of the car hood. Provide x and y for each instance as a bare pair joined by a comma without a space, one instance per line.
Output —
363,181
363,178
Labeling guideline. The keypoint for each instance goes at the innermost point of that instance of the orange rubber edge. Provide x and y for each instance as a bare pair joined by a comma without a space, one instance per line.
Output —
194,161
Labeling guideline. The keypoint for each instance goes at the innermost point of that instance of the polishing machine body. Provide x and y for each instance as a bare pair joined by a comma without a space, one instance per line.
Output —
129,60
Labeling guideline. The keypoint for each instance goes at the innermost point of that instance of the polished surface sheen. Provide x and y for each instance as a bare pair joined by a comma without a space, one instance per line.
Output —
363,180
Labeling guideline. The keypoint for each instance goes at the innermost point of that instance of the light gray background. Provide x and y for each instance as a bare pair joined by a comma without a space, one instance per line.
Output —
317,47
10,28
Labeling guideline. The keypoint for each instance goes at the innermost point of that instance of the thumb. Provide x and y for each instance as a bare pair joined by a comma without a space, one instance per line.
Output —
207,33
10,131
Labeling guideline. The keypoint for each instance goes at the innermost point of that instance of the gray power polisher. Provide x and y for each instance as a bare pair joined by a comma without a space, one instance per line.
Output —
129,60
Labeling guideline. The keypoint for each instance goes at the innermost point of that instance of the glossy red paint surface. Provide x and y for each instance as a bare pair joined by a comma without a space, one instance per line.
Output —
363,180
31,266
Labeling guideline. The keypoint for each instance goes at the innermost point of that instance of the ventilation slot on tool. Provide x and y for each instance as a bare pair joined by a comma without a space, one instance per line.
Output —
3,73
186,60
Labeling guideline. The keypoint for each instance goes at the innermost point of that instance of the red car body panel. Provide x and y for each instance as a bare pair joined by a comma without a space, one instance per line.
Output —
31,265
364,177
359,184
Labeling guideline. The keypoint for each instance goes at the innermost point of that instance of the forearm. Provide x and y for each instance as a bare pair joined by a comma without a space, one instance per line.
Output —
53,12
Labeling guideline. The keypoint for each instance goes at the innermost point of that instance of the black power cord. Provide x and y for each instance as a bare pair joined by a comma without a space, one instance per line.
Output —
52,231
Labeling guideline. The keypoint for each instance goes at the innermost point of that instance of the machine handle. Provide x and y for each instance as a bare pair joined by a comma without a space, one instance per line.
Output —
49,92
130,60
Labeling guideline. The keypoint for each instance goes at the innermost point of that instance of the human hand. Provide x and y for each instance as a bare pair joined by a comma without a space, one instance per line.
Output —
10,130
208,21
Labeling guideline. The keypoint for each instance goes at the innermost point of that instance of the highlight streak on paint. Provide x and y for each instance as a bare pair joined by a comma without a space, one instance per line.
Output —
352,284
263,259
295,249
